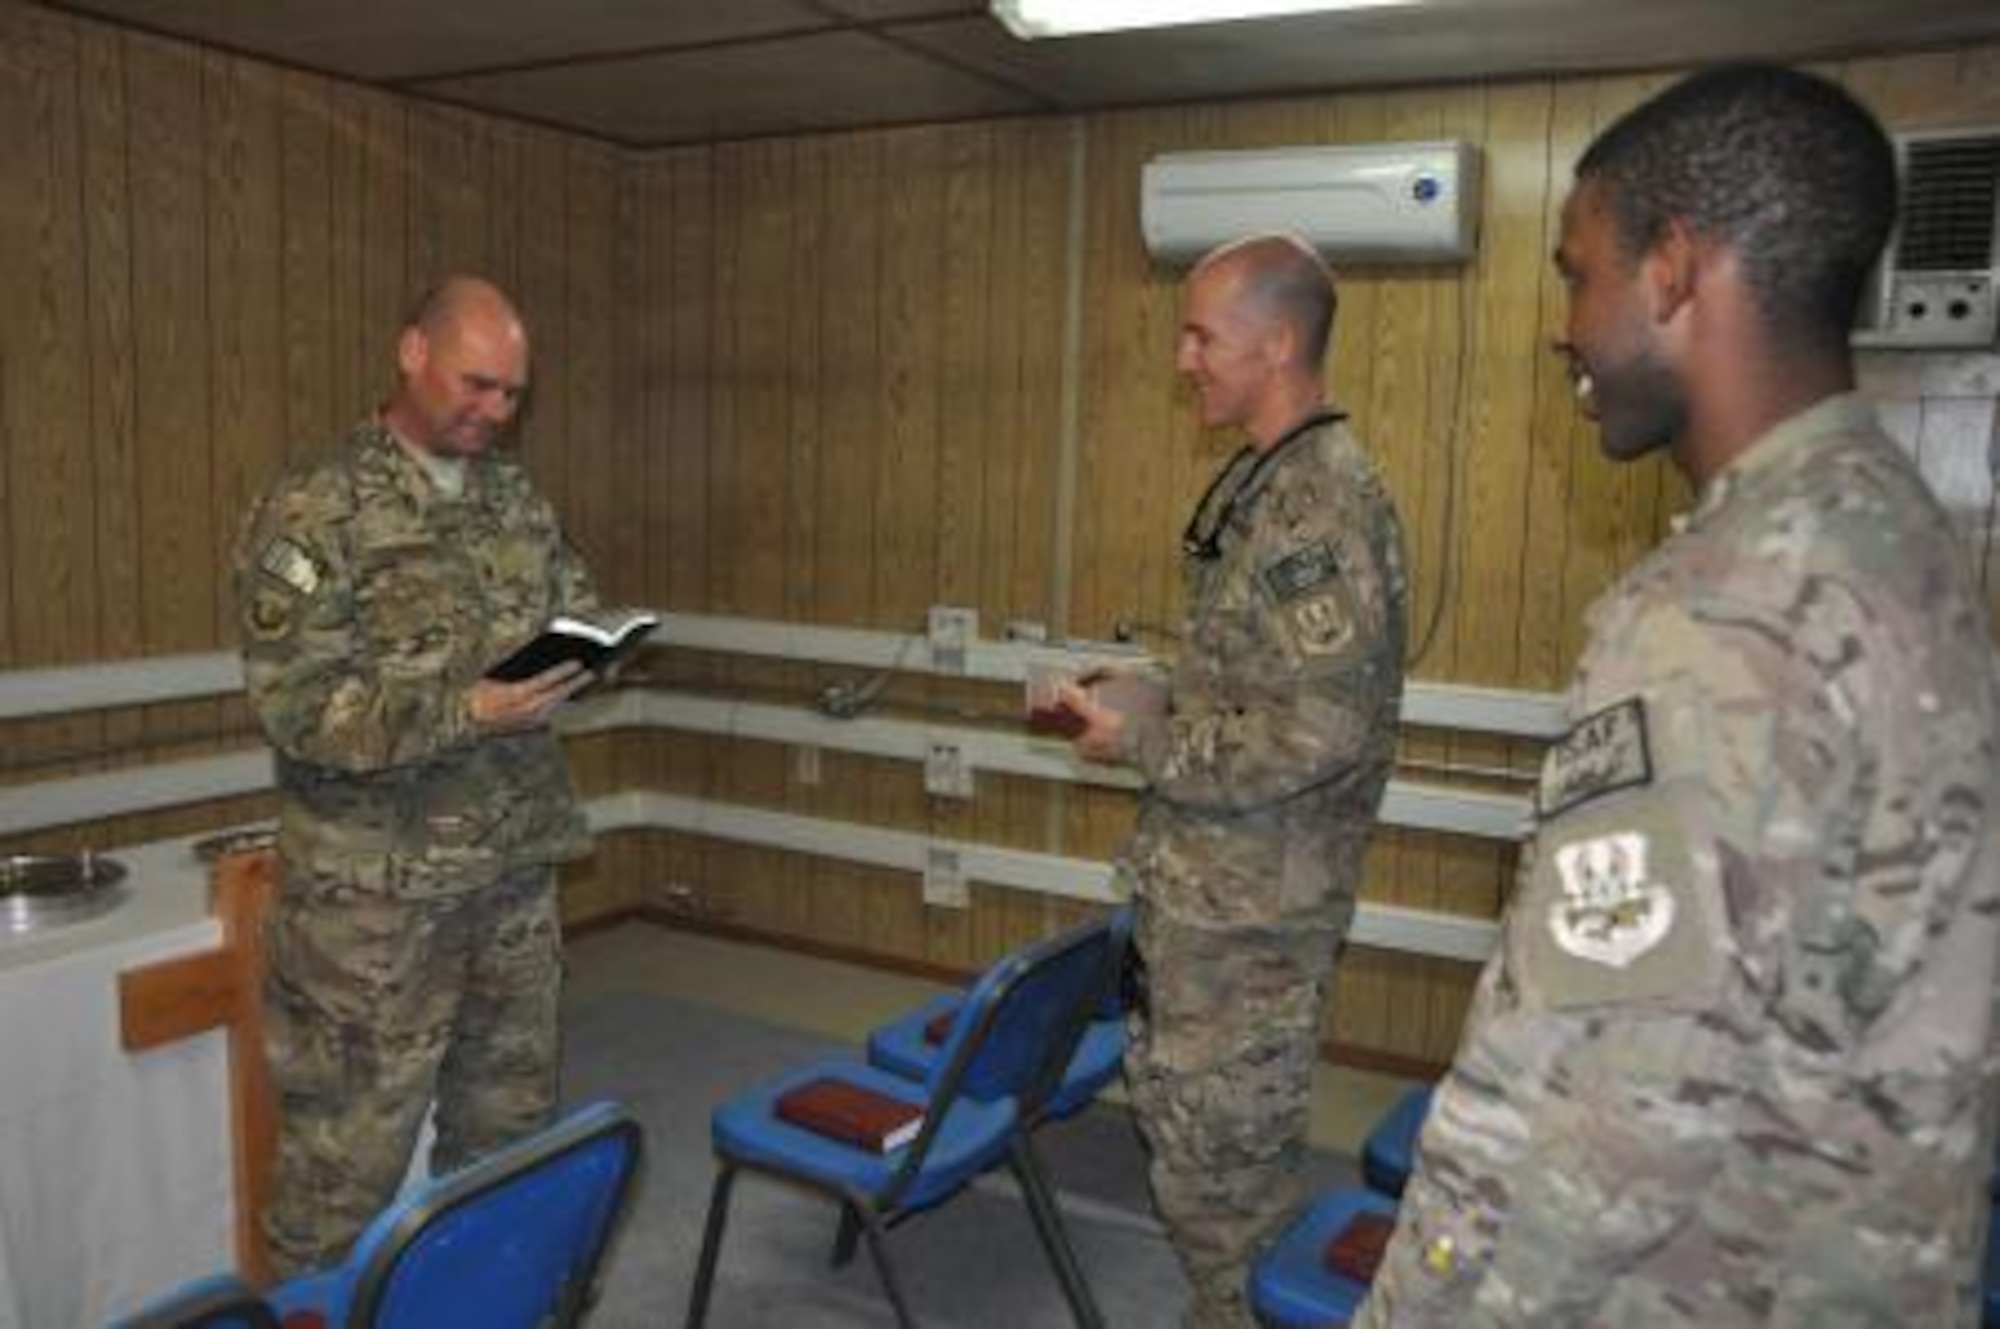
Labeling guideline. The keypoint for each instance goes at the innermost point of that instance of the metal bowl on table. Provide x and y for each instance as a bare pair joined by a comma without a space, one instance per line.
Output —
39,891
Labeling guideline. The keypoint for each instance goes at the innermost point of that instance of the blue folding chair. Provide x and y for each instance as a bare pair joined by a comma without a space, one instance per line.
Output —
513,1241
1292,1286
1006,1051
1390,1152
908,1045
221,1301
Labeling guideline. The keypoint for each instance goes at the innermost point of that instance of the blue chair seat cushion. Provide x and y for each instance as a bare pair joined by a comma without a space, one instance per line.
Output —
1389,1154
973,1137
1292,1286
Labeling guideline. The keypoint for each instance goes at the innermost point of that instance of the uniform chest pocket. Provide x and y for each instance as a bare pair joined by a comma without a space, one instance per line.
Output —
407,589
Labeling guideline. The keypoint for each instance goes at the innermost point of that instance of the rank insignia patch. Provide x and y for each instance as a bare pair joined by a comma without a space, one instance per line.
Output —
1605,752
291,565
1302,571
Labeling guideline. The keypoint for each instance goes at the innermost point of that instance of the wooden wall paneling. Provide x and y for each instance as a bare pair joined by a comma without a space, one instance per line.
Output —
243,109
173,350
314,415
1361,1005
748,478
623,577
358,350
685,230
967,306
1139,464
905,539
804,376
450,194
1486,408
1405,420
591,519
388,285
118,587
52,528
542,434
1023,381
850,317
50,534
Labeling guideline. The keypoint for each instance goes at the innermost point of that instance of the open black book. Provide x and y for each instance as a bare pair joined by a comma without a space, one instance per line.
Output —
597,646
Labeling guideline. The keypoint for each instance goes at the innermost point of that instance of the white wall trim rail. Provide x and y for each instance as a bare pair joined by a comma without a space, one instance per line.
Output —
1385,927
134,789
54,691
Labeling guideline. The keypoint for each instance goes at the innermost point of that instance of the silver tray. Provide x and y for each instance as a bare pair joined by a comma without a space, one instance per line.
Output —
40,891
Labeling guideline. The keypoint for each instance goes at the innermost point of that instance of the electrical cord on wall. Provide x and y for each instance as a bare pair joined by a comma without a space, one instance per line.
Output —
847,699
1449,546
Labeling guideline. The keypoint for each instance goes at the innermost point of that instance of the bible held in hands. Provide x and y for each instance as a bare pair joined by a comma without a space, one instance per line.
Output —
598,647
851,1113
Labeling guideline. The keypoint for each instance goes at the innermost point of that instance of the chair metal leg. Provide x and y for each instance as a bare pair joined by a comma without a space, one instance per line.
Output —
845,1239
878,1247
1055,1240
711,1244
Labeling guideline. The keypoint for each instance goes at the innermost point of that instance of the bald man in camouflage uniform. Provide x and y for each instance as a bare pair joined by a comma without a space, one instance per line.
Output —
1263,773
414,949
1733,1063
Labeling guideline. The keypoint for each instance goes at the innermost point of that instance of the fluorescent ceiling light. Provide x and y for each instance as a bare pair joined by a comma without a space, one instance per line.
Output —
1061,18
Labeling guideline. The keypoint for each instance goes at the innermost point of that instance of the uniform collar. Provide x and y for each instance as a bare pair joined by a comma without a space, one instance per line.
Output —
1784,448
1237,485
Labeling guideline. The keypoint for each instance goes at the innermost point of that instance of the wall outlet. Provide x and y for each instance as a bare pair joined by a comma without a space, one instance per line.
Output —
944,880
805,764
947,771
952,630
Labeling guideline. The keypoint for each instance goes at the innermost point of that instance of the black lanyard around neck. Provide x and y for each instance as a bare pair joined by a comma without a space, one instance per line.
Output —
1203,537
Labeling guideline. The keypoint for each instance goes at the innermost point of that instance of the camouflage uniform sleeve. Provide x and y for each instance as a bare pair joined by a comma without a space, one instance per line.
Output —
574,590
1298,671
1684,823
322,694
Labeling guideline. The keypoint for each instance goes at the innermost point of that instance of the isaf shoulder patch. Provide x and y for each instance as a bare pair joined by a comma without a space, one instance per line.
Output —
1302,571
291,565
1605,752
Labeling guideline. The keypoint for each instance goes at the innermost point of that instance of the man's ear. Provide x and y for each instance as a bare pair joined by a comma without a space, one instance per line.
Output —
413,351
1671,269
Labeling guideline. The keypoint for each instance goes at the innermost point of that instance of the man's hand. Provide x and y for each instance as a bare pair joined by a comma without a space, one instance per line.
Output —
1103,733
502,708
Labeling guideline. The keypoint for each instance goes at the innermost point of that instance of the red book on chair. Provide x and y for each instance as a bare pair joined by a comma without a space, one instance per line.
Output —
1356,1250
851,1113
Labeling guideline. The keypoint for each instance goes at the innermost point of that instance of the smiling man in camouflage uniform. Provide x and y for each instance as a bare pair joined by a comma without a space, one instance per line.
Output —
1264,768
413,949
1733,1062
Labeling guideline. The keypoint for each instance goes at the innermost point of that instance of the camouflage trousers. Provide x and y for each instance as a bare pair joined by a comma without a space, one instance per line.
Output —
1219,1068
375,1007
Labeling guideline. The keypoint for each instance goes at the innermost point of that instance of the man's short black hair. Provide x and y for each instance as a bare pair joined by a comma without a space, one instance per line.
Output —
1782,166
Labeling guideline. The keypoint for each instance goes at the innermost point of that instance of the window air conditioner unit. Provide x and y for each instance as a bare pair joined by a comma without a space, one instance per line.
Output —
1372,203
1935,283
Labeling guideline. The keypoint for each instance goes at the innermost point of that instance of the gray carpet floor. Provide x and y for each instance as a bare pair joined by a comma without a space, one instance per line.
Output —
972,1263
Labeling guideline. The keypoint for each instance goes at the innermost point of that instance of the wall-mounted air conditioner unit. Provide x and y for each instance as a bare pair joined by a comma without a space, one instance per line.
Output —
1938,284
1375,202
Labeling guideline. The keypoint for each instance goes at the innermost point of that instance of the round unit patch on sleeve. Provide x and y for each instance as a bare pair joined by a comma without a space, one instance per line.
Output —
1623,904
